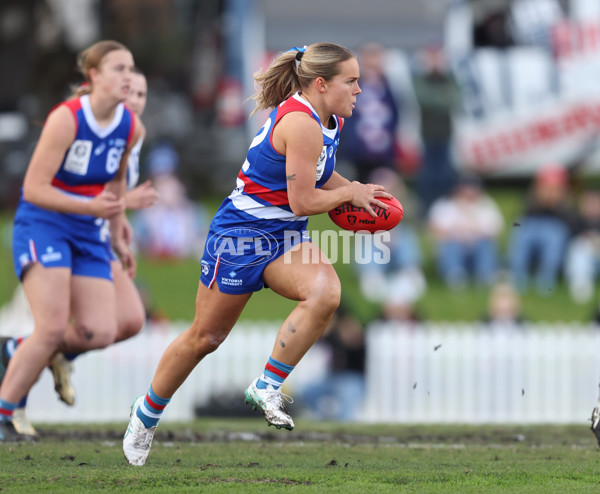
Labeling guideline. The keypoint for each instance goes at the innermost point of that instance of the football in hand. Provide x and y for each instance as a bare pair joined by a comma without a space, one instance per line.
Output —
356,219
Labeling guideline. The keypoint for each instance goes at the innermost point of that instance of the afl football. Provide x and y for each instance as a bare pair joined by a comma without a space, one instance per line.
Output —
356,219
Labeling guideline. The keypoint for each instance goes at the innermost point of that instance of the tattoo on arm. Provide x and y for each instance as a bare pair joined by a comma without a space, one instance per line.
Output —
282,343
291,328
291,177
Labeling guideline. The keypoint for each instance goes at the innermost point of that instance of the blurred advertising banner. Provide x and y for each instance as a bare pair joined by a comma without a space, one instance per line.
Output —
517,144
528,71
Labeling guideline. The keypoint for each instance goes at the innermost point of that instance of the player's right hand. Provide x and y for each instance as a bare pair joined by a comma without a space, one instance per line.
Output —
106,204
365,196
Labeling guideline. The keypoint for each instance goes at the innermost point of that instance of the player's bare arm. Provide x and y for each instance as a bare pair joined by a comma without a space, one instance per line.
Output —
299,137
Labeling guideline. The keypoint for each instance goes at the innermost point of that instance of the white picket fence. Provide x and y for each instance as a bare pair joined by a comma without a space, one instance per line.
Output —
415,374
472,374
108,380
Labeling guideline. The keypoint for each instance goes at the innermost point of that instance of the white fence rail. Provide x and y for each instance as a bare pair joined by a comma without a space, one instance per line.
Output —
416,374
470,374
107,381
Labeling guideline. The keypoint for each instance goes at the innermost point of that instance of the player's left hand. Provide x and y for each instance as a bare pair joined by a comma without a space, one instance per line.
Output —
142,196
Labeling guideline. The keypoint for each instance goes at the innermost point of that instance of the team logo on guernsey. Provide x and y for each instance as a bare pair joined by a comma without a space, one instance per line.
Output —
242,247
78,158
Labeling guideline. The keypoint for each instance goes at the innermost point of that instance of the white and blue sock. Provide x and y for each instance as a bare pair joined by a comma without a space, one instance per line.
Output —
11,346
6,410
274,374
151,409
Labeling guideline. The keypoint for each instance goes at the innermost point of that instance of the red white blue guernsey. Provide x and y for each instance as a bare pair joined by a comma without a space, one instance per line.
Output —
75,241
260,198
92,159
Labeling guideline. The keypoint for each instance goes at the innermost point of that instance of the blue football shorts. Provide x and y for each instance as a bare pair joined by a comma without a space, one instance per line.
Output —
235,258
54,244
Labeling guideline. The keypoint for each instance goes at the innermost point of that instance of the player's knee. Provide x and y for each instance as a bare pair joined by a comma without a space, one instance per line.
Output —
204,342
52,334
130,325
325,294
333,297
96,336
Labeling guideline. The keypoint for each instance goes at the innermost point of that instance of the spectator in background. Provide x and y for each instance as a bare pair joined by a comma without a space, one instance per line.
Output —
540,237
175,227
400,282
370,135
399,304
163,159
339,396
504,307
437,95
465,227
583,253
492,26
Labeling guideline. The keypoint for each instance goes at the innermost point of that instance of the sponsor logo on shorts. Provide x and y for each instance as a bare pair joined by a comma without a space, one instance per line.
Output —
231,281
51,255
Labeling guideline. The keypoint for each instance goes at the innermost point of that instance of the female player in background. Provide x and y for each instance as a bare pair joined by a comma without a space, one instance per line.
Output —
130,308
75,180
287,176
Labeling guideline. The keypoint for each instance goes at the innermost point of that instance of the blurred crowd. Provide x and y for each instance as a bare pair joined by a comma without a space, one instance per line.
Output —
553,237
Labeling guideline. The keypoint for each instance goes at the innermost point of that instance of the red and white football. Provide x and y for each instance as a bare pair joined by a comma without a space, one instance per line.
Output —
356,219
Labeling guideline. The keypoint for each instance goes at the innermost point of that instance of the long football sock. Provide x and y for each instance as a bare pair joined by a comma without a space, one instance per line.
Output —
150,411
274,374
10,346
6,410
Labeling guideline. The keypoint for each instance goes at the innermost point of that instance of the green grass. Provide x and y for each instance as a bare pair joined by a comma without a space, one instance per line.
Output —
173,285
209,456
7,274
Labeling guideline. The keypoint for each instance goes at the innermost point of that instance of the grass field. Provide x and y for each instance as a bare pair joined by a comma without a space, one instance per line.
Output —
244,456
